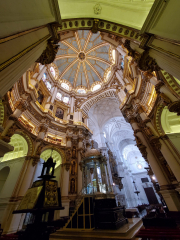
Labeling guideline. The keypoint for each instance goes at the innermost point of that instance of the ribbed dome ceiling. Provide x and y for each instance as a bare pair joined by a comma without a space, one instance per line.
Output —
84,60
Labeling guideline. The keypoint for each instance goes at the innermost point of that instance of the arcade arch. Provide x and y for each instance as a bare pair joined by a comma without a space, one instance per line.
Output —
20,148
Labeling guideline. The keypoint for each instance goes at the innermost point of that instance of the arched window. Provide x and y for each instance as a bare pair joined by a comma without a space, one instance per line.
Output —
55,155
48,85
20,148
44,77
52,71
80,90
65,86
104,134
59,96
96,87
66,100
59,113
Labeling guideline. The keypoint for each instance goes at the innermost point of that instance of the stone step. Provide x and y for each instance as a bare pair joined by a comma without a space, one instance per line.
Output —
126,232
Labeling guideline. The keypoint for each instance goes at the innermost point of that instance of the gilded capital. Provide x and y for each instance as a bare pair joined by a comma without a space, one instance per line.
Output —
174,107
132,120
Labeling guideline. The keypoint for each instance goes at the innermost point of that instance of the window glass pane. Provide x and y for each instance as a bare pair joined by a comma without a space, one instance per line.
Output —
96,87
81,91
59,96
66,99
44,77
64,85
48,85
52,71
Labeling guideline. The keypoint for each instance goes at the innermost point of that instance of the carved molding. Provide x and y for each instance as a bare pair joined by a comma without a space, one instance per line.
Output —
48,54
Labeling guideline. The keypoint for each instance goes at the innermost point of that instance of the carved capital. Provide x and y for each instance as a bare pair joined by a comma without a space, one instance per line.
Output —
35,160
166,101
140,109
155,141
164,137
137,130
13,118
43,128
158,86
174,107
132,120
146,121
6,139
49,53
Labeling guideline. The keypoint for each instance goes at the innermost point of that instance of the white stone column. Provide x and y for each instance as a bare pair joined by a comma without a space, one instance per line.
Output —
41,73
80,175
174,165
54,94
96,174
30,168
12,73
163,182
152,161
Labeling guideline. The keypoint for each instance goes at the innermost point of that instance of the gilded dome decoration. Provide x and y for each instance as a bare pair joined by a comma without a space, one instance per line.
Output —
83,62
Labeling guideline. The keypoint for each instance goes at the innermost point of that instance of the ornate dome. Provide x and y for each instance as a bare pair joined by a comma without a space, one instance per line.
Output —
84,62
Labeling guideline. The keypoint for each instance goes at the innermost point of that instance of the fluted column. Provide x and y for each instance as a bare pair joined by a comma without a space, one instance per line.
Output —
151,159
170,196
96,174
66,167
20,108
80,174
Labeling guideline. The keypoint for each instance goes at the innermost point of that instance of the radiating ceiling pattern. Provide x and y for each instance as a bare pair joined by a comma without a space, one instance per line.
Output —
83,59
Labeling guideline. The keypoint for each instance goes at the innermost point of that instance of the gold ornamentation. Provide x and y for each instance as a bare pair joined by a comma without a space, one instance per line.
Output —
97,9
48,54
95,26
22,53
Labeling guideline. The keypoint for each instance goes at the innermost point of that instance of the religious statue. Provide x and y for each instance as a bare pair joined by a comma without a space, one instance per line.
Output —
73,166
72,186
74,152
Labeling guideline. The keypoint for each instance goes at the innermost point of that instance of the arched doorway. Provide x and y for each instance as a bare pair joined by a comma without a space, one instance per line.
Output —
3,176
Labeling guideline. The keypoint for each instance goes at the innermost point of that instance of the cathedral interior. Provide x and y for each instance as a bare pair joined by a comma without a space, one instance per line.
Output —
89,119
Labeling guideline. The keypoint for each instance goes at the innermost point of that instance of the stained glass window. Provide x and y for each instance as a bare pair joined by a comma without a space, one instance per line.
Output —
96,87
64,85
48,85
66,100
81,91
53,71
44,77
59,96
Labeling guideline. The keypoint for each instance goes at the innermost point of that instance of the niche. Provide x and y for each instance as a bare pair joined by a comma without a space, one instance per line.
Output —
3,176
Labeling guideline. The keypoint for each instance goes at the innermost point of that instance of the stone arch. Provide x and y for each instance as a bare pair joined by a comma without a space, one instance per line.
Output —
20,148
170,122
4,172
28,139
60,151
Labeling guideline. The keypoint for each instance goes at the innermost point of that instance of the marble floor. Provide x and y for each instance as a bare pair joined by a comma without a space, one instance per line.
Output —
127,231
